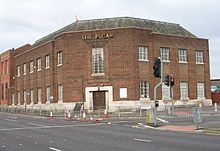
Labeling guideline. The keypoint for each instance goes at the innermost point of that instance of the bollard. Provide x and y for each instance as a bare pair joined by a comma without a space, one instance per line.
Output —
216,107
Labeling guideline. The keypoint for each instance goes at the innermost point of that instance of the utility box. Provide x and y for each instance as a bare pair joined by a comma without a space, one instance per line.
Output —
149,116
197,115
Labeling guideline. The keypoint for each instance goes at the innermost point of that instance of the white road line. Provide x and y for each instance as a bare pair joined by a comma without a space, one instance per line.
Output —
11,120
12,117
47,127
55,149
143,140
35,124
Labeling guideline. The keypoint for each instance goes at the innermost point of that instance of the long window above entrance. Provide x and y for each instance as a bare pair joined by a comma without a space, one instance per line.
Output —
97,62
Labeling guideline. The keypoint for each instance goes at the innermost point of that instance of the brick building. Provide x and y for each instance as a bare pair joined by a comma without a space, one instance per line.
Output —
109,63
6,78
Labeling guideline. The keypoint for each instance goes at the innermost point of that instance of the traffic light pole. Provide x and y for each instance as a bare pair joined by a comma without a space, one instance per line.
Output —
171,93
155,93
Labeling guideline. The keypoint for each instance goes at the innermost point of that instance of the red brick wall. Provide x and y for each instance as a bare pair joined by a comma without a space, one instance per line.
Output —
122,68
6,76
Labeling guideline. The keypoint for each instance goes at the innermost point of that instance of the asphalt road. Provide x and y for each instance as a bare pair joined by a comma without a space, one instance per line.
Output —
25,133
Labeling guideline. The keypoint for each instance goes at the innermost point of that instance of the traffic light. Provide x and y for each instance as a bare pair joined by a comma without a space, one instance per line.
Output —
157,68
171,81
156,103
167,80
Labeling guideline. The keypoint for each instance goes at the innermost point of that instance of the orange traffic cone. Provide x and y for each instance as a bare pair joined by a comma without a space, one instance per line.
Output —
84,119
69,116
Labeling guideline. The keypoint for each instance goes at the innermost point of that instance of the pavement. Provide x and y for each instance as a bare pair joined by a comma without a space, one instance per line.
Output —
178,128
25,133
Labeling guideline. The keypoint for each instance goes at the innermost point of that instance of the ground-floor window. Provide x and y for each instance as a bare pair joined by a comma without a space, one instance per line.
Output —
39,97
13,98
165,92
19,98
48,94
25,97
32,96
183,91
200,90
144,89
60,93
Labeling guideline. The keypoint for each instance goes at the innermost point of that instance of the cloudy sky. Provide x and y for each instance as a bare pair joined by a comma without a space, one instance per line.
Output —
25,21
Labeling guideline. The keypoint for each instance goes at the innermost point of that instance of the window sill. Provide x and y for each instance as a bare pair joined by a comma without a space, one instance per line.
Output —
183,62
59,65
201,99
143,60
47,67
165,61
18,76
144,99
32,72
166,99
199,62
38,70
25,74
184,99
98,74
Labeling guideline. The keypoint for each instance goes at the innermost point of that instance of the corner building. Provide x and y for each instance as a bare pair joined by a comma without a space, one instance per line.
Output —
108,63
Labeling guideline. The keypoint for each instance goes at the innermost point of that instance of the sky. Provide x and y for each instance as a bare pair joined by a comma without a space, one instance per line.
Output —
25,21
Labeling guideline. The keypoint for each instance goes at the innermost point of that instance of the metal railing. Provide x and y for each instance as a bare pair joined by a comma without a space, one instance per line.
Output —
177,116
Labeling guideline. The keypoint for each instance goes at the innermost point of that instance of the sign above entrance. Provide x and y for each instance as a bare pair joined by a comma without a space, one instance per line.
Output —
98,36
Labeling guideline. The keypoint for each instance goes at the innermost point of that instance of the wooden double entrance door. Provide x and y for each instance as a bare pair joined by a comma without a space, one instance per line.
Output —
99,100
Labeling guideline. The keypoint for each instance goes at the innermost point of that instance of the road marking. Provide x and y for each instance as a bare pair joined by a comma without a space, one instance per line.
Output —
55,149
143,140
12,117
35,142
51,141
20,144
11,120
47,127
3,146
35,124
